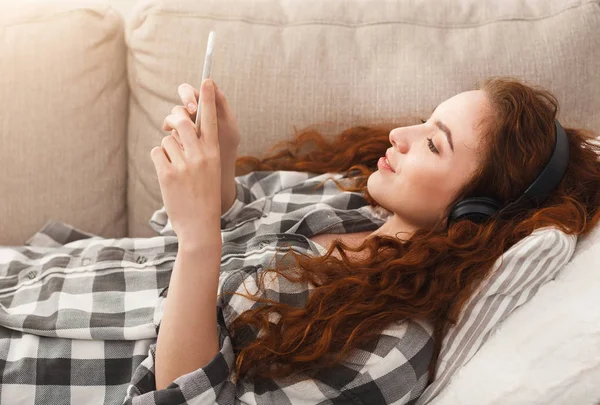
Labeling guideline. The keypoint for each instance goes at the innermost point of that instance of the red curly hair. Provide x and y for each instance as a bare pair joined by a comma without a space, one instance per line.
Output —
432,274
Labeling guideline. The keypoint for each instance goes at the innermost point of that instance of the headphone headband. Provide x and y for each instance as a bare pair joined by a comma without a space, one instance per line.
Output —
478,209
552,173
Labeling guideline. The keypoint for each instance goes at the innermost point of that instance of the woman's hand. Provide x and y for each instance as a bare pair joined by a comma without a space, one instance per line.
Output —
229,137
229,133
189,173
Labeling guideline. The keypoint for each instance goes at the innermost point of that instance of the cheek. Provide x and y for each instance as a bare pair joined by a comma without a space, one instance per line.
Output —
423,176
429,186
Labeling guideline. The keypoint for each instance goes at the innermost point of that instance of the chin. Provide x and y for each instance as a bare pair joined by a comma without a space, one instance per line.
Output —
379,197
378,184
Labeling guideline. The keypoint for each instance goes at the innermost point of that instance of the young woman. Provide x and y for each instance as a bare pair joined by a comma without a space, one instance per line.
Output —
493,141
327,291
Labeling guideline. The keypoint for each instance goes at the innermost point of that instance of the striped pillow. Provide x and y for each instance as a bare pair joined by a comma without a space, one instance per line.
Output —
526,266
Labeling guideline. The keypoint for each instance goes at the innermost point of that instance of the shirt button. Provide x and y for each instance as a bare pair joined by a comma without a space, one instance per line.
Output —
86,261
262,244
32,274
141,259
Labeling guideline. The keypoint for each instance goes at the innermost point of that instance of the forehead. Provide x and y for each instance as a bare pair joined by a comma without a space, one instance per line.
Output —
462,113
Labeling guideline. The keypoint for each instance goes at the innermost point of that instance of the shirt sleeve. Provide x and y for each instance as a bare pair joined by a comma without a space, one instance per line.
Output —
208,385
251,187
261,184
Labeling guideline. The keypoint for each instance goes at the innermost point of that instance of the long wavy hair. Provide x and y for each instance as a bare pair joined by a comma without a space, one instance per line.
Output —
431,274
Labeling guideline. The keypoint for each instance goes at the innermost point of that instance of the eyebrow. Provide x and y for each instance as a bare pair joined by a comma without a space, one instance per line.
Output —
445,130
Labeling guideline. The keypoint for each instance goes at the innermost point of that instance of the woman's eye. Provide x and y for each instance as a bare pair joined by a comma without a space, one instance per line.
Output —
432,146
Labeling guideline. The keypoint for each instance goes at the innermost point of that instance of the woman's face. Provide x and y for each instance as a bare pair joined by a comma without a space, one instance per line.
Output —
427,175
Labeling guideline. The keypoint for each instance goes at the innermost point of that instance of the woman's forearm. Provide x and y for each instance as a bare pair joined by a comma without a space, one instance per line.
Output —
187,338
228,188
228,193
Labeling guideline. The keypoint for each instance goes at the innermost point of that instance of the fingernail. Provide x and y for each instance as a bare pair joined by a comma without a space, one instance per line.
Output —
208,85
191,107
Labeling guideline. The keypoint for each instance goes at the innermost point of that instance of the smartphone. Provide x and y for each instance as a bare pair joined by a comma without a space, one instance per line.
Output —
205,72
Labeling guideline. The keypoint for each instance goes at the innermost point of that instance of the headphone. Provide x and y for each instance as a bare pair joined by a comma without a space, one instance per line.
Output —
479,209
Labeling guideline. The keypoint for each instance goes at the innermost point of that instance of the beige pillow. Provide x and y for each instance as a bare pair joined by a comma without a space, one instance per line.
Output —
63,109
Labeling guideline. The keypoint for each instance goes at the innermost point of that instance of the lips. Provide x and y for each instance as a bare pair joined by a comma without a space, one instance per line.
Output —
391,164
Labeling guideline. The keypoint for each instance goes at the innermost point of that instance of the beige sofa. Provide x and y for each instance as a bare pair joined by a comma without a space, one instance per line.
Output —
83,94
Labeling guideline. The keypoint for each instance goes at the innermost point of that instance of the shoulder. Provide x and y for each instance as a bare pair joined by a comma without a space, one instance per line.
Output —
408,341
393,369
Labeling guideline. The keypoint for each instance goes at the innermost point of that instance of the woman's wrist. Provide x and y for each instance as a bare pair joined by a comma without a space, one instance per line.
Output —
206,241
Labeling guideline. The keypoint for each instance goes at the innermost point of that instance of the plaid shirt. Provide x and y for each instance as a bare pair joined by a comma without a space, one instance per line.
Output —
80,313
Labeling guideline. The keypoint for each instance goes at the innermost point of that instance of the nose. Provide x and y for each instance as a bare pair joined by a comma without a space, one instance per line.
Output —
399,140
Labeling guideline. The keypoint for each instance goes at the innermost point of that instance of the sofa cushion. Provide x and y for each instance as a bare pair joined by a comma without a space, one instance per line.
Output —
63,118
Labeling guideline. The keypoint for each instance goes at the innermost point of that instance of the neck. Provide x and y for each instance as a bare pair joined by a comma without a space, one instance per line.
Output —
395,227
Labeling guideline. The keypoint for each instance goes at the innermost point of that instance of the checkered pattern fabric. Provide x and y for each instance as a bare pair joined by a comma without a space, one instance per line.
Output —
80,314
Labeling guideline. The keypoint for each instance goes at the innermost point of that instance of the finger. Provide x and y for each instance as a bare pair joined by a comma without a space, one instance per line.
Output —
175,135
186,131
182,111
189,96
173,151
209,128
160,160
178,110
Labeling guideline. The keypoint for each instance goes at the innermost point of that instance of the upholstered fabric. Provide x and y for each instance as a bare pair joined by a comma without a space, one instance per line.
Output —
282,65
63,118
290,64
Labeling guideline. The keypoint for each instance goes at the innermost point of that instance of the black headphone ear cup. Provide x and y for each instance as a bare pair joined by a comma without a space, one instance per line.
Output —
476,209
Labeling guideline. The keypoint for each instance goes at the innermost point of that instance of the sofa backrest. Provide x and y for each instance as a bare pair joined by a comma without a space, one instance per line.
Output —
83,93
288,65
